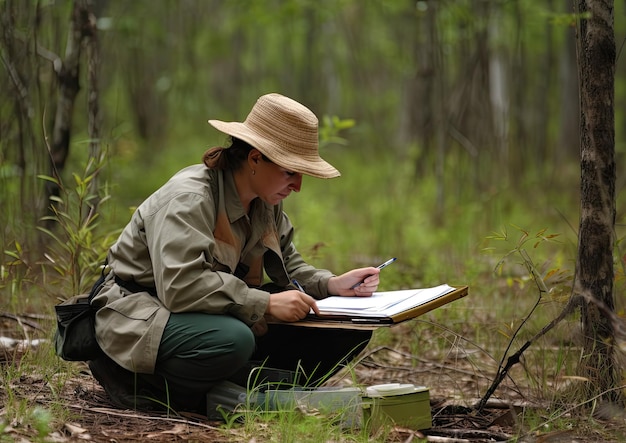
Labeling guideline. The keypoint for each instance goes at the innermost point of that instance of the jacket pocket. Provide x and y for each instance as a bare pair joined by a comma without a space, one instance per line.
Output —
138,306
129,331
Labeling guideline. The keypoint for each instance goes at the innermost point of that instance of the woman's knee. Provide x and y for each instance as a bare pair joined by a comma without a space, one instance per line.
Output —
211,348
196,335
242,341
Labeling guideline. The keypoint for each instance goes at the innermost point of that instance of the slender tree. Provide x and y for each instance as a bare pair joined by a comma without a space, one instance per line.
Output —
594,270
82,29
593,289
69,85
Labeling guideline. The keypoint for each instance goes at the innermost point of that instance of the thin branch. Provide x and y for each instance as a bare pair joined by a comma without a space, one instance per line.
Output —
512,360
22,321
56,61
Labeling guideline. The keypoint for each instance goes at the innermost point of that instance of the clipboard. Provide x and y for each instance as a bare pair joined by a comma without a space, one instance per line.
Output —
370,323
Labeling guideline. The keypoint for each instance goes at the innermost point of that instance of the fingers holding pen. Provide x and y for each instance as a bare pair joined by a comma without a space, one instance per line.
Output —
308,298
291,305
368,281
368,287
347,284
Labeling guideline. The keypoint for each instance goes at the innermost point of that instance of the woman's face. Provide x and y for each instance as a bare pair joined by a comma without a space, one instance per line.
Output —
273,183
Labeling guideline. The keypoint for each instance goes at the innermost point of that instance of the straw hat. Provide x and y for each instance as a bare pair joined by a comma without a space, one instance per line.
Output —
285,131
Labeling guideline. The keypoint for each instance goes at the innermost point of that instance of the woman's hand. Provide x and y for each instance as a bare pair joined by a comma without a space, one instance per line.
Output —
362,282
290,305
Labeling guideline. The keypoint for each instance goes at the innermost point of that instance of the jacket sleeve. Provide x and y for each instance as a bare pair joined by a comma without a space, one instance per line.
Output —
180,236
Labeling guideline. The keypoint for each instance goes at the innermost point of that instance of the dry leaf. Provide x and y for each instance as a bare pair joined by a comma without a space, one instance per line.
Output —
177,429
74,429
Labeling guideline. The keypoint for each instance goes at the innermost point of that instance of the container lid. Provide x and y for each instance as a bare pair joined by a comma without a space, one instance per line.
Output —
388,389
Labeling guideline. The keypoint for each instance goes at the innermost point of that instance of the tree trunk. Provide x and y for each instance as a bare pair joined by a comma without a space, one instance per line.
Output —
69,86
594,275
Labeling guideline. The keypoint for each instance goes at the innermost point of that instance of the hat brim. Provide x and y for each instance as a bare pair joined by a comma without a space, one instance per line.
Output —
314,166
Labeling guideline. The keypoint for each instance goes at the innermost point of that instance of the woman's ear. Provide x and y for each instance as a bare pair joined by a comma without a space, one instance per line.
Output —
255,156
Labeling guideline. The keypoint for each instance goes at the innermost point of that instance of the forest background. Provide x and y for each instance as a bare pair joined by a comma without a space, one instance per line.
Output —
454,124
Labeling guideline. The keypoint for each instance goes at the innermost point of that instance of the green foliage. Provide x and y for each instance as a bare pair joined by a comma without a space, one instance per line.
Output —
14,272
78,247
520,249
296,426
568,19
330,130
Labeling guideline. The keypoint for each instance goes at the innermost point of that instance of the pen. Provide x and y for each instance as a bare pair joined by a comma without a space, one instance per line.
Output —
387,263
298,285
382,265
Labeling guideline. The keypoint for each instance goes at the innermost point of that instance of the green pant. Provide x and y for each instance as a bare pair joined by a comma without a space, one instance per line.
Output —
196,352
199,350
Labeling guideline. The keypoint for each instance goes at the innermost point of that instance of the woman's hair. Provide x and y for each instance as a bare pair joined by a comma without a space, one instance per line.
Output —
227,158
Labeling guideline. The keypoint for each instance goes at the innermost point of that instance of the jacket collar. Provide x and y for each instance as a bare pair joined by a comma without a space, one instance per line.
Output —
232,202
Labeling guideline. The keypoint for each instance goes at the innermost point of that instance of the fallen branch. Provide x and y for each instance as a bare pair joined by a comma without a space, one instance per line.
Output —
465,435
515,358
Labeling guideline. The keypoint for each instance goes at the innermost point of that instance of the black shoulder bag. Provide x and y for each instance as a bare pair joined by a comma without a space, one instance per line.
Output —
75,336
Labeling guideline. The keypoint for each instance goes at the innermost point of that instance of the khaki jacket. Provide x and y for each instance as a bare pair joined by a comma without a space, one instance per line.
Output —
188,241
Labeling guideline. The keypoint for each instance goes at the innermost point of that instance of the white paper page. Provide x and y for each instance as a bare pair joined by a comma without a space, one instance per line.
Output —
377,301
422,297
381,304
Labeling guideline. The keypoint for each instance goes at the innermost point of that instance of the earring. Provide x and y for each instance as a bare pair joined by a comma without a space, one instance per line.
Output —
253,172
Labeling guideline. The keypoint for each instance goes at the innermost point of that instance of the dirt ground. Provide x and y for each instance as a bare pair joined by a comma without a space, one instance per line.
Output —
454,386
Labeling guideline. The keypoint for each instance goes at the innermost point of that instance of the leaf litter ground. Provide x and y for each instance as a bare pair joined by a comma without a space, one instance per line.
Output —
454,381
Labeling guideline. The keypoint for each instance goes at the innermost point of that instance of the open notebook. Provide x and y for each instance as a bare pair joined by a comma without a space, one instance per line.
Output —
382,308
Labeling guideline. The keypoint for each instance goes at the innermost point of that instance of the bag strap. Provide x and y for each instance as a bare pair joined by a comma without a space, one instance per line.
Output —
98,284
135,287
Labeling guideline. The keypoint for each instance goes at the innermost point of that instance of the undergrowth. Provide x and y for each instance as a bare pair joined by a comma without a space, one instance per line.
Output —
519,278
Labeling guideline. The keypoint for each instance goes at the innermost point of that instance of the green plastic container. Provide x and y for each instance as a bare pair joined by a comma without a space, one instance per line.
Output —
403,405
344,403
